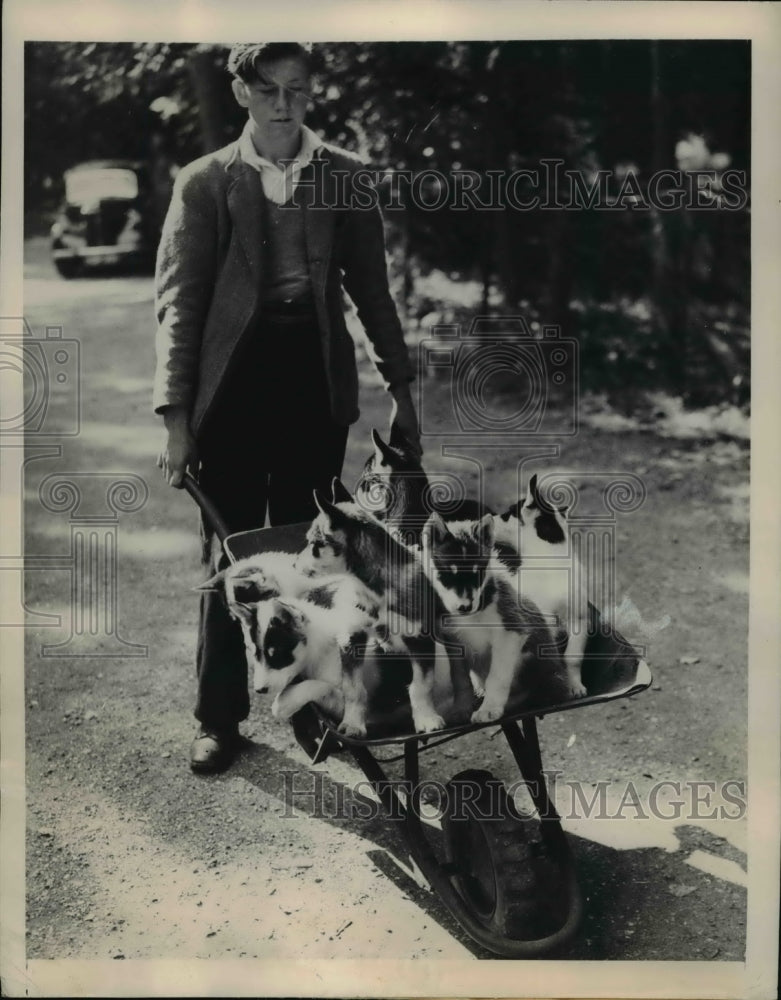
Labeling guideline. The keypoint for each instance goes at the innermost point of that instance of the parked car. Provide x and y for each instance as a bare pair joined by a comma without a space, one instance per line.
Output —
106,218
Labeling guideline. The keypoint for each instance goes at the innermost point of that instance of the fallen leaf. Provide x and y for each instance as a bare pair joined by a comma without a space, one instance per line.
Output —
571,740
679,889
687,661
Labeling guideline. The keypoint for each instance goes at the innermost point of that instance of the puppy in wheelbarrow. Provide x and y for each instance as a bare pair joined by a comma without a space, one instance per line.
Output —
305,638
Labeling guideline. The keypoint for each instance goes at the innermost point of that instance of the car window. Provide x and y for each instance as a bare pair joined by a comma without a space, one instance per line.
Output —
104,182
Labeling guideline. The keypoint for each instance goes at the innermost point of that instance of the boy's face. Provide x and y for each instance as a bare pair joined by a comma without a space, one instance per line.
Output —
277,102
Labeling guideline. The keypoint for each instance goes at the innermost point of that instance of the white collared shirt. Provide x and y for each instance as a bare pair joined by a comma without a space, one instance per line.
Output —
279,183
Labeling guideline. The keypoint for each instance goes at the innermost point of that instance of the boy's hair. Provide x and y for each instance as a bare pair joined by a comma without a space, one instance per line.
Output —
245,60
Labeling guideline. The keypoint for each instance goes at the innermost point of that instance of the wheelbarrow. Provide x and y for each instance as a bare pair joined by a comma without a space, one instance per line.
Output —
507,877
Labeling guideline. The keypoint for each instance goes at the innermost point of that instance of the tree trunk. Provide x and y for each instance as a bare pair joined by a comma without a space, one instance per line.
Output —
206,83
668,296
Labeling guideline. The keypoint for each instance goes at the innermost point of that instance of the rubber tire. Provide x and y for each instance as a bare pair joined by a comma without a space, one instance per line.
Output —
503,869
68,268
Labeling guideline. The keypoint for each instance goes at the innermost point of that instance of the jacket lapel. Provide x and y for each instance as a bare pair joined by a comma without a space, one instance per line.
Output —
315,192
245,203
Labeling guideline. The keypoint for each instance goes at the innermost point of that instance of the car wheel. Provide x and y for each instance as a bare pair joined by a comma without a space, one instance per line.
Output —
68,267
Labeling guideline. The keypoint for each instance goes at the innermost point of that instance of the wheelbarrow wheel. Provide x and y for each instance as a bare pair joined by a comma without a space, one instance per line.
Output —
505,871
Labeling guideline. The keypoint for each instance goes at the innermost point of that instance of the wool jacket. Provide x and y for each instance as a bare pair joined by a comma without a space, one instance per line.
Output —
208,278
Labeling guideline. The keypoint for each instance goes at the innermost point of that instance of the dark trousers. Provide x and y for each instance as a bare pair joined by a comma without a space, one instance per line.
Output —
268,443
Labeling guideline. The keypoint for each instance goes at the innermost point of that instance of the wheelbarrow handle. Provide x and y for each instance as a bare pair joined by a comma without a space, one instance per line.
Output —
207,507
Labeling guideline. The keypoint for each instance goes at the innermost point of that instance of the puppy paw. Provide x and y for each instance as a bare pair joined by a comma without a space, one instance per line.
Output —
350,727
429,723
477,685
486,713
576,689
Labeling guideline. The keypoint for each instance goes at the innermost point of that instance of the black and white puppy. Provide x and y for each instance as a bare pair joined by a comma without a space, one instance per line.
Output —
501,632
344,538
532,541
298,628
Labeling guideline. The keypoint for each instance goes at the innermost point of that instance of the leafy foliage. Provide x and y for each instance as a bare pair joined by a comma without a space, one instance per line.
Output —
658,299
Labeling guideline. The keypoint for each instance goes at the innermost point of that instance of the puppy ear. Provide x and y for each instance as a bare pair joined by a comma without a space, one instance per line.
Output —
276,611
435,530
285,612
379,445
484,532
340,493
215,584
325,506
532,495
383,455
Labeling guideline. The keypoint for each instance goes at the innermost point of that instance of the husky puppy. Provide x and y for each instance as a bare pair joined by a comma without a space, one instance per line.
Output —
532,542
500,630
394,488
283,614
343,538
297,644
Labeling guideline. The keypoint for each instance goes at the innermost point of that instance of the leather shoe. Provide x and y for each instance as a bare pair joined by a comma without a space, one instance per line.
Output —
214,750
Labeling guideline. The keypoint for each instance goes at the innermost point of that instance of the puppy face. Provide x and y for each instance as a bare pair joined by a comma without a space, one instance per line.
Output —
325,548
549,523
383,483
532,518
326,539
279,644
374,492
458,562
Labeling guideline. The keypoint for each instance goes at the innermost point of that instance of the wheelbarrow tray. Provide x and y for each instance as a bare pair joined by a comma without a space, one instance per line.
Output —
612,668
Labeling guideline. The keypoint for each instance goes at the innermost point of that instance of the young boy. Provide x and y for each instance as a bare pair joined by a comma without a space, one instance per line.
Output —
256,377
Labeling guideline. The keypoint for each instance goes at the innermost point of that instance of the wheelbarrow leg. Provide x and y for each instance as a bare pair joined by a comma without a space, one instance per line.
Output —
382,785
526,750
